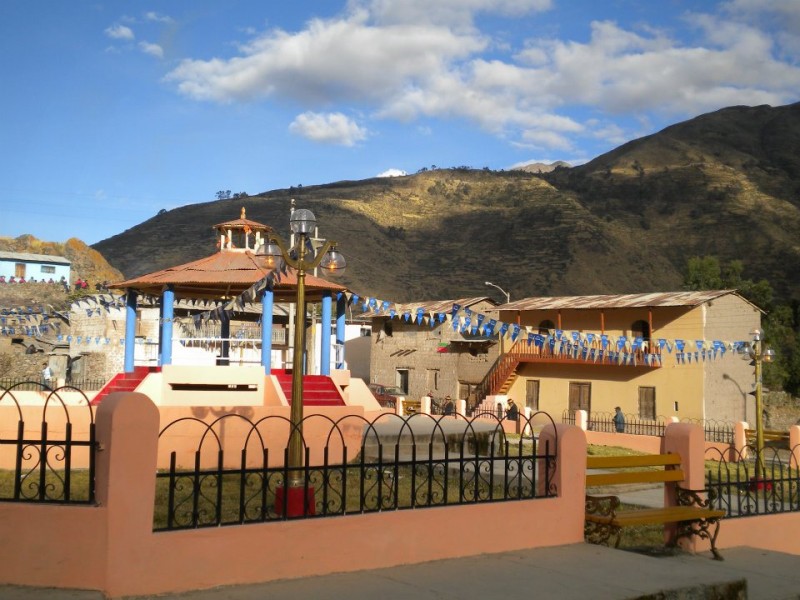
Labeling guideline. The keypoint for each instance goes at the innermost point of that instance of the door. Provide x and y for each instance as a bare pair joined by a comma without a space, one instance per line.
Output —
19,270
402,380
647,403
580,397
532,394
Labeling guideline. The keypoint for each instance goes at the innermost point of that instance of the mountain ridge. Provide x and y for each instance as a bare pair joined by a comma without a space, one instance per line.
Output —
723,183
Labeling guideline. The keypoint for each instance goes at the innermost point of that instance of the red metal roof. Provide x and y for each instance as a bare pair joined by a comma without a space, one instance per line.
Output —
223,274
243,222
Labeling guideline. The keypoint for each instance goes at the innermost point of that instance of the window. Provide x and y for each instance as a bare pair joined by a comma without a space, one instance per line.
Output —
48,269
532,394
580,396
387,328
647,403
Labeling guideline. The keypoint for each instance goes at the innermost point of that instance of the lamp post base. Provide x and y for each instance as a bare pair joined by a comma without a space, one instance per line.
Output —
295,500
759,483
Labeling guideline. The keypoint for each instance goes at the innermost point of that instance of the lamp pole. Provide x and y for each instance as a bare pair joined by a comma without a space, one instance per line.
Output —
508,296
759,355
302,224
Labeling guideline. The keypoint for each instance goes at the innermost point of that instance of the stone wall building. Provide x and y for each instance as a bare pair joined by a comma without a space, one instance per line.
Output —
432,356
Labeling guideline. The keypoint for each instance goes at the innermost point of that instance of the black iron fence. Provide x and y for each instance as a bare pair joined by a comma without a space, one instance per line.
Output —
351,466
47,450
743,486
27,385
604,423
714,431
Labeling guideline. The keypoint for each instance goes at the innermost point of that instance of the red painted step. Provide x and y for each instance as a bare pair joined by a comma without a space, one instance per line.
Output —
318,390
124,382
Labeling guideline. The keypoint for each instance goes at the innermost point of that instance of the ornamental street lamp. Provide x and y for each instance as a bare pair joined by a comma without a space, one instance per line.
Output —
508,296
757,354
301,258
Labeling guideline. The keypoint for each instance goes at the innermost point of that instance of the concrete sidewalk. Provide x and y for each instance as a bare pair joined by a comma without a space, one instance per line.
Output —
578,571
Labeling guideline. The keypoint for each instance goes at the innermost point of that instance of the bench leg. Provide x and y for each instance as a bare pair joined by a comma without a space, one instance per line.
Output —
701,528
600,533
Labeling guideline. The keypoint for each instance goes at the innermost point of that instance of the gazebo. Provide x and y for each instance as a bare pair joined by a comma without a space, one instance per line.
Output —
228,274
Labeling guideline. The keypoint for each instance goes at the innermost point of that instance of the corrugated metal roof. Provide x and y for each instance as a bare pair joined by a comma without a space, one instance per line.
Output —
27,256
652,299
429,306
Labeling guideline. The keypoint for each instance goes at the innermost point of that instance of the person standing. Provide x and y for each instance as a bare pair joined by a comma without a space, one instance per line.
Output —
619,420
512,412
47,375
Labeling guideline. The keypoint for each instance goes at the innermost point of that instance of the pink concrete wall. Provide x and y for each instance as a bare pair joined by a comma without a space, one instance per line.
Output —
112,547
641,443
769,532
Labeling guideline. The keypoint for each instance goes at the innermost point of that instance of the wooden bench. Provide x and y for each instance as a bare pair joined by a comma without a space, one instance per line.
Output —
411,407
604,518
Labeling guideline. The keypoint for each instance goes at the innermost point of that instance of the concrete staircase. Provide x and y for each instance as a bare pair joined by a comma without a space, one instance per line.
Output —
318,390
124,382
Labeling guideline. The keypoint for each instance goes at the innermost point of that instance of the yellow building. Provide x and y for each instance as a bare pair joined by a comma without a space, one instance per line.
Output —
651,377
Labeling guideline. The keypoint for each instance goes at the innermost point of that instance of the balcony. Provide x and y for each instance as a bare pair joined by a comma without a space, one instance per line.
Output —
574,354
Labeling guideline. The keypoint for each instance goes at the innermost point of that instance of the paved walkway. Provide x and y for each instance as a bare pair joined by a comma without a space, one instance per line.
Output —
579,571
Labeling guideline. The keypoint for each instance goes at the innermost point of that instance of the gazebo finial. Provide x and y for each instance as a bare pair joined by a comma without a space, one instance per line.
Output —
242,217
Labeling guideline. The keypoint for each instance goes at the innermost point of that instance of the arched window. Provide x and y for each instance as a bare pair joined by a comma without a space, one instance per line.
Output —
640,329
546,326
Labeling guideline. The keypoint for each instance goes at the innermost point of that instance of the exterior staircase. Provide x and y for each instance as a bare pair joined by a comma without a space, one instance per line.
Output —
318,390
124,382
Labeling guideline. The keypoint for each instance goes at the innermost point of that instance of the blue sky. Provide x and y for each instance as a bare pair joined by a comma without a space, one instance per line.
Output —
111,111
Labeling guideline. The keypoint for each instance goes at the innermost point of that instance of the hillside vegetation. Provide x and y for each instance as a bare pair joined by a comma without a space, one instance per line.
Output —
723,184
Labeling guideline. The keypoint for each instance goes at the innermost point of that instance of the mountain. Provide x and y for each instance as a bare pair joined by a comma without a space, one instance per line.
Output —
539,167
724,183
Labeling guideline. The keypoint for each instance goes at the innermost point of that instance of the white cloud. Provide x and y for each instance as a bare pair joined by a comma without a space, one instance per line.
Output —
151,49
392,173
405,61
157,18
331,128
120,32
328,61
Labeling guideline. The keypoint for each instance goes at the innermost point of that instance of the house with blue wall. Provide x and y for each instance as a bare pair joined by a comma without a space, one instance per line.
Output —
33,266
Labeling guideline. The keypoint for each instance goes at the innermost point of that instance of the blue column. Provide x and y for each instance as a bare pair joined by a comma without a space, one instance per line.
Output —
267,298
130,330
167,314
341,305
325,342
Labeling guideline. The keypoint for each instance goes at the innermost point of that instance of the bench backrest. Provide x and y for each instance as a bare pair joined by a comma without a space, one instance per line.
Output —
640,469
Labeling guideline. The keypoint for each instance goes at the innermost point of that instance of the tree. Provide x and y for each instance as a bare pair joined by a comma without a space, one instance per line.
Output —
780,322
703,273
223,194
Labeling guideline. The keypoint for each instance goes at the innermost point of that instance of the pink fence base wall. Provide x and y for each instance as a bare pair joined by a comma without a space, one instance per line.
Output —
112,547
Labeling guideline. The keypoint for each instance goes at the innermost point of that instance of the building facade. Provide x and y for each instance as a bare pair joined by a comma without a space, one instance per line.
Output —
693,383
36,267
426,355
676,357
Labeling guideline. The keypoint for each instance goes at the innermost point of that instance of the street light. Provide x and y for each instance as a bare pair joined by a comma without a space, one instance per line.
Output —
755,352
508,296
274,253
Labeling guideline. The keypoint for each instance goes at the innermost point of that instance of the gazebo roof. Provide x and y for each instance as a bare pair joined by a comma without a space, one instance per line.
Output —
243,222
224,275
